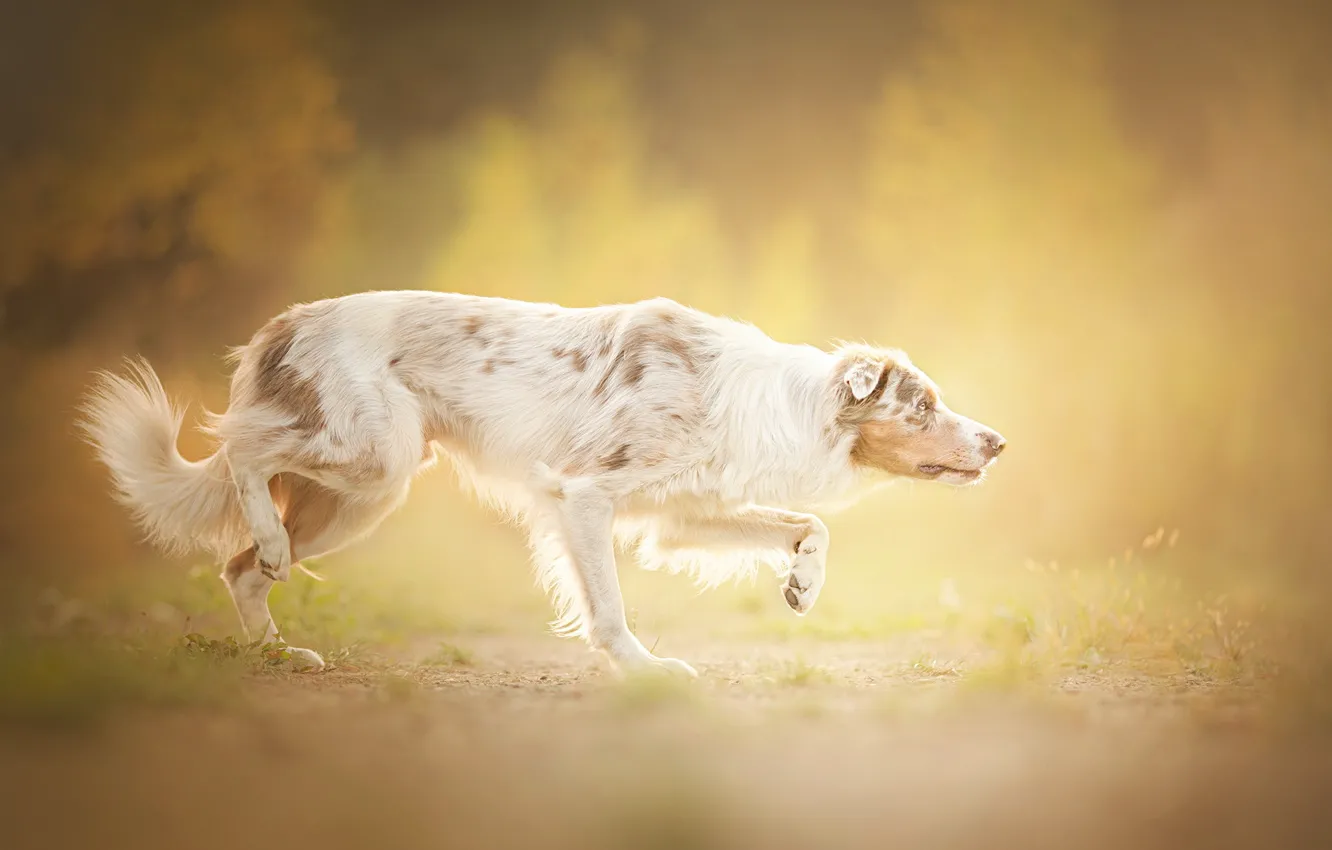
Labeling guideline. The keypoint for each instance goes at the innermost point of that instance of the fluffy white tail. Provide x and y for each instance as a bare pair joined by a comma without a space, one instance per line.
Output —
180,504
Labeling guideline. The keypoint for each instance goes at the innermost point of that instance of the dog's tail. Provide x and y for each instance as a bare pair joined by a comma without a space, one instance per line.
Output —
180,504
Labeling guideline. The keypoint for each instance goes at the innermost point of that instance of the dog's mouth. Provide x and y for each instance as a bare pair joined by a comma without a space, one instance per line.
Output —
936,470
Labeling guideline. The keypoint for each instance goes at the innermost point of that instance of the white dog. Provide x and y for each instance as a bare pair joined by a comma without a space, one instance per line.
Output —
692,438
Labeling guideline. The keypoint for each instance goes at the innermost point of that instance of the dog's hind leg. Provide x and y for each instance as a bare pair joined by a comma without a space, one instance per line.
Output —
271,543
249,588
573,543
317,521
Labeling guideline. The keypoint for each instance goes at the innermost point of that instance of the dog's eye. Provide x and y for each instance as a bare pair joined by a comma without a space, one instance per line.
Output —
924,405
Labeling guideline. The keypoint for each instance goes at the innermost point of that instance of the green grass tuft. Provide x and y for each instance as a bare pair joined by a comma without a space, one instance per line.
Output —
449,655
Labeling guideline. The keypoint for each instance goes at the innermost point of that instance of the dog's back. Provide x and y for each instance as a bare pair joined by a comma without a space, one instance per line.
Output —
506,383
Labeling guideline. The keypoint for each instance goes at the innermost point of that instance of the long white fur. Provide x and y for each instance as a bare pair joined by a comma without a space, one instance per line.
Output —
722,445
180,504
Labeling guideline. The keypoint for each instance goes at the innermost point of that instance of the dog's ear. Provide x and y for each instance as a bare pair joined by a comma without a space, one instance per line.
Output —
862,373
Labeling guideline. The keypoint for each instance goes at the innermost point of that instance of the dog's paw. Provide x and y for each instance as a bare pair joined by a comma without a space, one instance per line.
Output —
799,599
804,582
630,658
654,666
275,560
275,572
675,667
304,659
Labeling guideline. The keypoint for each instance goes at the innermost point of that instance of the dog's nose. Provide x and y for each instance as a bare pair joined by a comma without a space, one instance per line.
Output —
994,443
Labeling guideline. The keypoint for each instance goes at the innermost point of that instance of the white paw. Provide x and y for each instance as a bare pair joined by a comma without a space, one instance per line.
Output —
654,666
275,558
675,667
805,581
304,659
631,658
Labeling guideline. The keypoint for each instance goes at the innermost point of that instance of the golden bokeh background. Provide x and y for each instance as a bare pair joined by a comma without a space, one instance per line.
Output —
1101,227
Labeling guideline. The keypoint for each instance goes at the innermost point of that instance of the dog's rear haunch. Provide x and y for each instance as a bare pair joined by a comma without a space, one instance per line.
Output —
694,440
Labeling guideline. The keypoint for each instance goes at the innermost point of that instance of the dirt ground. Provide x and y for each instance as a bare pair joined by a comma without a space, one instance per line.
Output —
528,741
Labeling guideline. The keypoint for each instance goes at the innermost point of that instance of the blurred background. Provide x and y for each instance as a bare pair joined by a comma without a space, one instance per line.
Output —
1101,226
1105,229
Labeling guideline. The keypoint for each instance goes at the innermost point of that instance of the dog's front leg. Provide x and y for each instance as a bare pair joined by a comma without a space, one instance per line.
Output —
586,517
796,544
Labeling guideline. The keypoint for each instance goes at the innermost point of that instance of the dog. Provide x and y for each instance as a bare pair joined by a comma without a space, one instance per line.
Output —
696,441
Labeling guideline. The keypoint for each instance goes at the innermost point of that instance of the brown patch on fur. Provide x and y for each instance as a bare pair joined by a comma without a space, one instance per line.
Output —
677,347
916,418
472,326
488,366
600,389
642,338
666,312
633,373
637,347
909,391
855,411
395,361
578,358
654,459
617,459
883,444
277,383
908,388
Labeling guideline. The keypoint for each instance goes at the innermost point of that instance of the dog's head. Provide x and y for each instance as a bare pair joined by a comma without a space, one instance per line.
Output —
901,424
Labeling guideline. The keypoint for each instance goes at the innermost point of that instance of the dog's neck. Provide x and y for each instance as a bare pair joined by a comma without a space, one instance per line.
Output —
780,418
